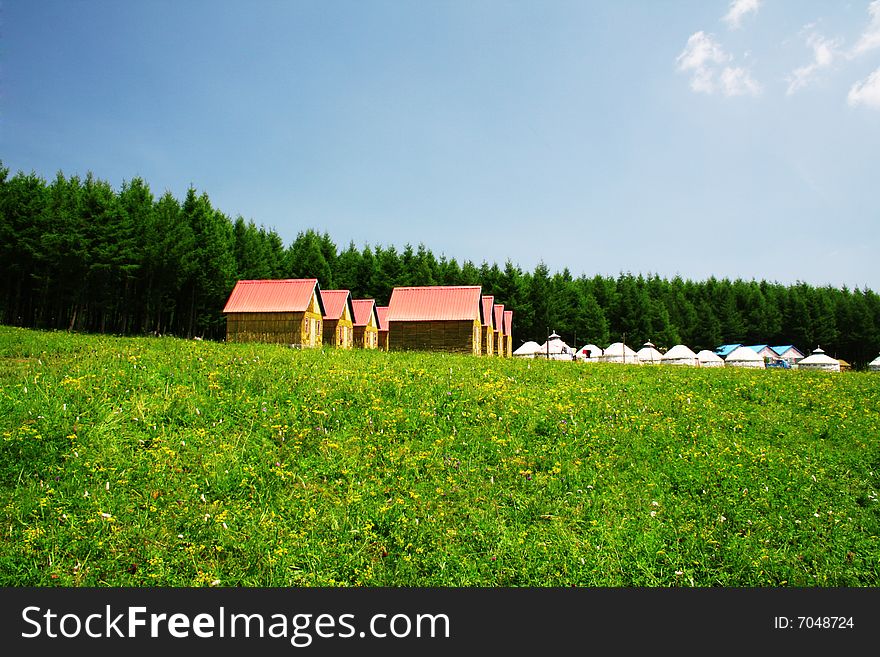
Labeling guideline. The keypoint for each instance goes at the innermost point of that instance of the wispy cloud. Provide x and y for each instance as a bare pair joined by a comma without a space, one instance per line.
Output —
866,92
738,82
738,10
870,38
825,51
702,57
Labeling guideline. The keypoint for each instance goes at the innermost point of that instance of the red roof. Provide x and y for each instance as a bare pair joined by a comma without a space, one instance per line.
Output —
437,302
487,311
499,316
382,316
363,308
291,295
334,303
508,322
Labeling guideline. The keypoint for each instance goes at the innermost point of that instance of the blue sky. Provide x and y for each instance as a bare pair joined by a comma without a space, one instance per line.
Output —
698,138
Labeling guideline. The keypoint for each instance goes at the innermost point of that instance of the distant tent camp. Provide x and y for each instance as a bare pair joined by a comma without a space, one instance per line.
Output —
874,365
744,357
708,358
554,349
648,355
527,349
589,353
680,355
819,360
618,352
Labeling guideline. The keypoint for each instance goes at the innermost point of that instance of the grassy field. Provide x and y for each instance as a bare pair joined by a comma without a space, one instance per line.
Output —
156,461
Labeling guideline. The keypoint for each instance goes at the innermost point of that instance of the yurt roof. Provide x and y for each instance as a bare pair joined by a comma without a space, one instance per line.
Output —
618,349
595,350
554,346
527,348
876,361
649,353
819,357
743,354
705,355
679,351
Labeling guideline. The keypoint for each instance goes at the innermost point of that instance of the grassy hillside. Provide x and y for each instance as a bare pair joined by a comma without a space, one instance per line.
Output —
133,462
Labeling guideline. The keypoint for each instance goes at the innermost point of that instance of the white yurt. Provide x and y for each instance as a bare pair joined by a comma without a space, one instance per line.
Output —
874,365
648,355
744,357
527,349
680,355
554,349
708,358
618,352
819,360
595,353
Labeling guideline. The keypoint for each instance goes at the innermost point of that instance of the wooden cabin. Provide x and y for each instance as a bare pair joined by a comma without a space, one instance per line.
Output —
487,344
436,318
338,319
498,323
287,311
382,317
508,333
366,324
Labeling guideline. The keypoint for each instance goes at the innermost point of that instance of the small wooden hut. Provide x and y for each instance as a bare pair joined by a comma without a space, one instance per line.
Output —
498,323
436,318
338,318
487,344
287,311
382,317
366,324
508,333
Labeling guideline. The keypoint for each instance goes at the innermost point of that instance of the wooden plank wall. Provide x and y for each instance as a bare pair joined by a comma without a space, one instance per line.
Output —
447,336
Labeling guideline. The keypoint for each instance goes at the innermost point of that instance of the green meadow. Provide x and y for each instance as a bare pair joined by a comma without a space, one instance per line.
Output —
159,461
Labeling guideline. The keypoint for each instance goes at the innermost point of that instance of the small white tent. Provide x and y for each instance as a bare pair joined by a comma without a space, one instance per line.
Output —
819,360
708,358
648,355
874,365
680,355
590,353
527,349
554,349
619,353
744,357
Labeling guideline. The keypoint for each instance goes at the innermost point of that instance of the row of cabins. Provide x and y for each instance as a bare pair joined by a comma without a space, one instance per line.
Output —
453,319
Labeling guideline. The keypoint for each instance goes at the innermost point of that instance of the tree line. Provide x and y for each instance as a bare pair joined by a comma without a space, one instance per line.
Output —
75,254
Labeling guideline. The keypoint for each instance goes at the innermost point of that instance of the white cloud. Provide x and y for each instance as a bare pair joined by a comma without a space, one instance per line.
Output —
738,10
870,38
825,51
702,57
738,82
866,92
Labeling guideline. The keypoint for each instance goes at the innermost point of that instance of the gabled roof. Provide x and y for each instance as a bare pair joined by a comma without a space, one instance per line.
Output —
291,295
781,350
488,315
436,302
382,317
363,308
335,302
725,349
758,348
498,313
508,322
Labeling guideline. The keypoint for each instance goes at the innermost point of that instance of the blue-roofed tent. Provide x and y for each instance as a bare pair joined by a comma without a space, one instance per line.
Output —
765,351
789,353
725,349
